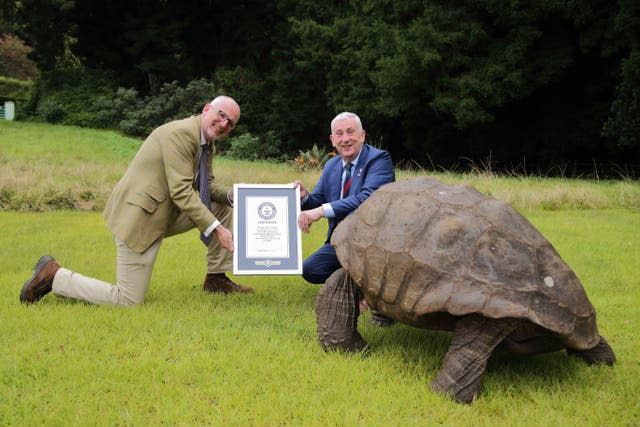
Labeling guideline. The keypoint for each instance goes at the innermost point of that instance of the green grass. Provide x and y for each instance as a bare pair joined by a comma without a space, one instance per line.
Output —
187,358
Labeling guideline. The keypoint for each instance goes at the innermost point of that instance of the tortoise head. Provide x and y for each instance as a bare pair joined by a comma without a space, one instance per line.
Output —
337,311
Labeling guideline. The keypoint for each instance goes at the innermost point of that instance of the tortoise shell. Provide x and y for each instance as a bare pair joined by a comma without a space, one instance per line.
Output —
417,248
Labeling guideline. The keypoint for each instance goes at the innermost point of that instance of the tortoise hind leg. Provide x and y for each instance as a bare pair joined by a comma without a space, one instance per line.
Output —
601,353
475,337
337,311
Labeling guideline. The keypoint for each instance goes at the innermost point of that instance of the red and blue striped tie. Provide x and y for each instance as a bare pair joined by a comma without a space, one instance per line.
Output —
347,180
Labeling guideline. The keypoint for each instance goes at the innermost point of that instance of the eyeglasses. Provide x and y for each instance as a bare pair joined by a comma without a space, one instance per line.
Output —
223,116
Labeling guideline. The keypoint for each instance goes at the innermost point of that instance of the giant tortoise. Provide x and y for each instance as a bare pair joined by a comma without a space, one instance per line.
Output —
446,257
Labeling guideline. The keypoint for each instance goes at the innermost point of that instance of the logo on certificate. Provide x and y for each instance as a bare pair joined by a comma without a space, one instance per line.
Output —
267,210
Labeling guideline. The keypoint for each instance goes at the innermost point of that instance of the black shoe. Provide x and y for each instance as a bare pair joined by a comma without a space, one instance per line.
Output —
40,283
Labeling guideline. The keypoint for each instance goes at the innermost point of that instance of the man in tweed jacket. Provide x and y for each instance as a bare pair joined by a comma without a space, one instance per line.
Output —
157,198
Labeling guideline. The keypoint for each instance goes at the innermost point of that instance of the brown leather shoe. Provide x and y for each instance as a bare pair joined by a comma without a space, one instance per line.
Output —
39,284
220,283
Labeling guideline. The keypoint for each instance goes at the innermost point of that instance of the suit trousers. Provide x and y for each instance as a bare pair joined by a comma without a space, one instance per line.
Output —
320,265
133,269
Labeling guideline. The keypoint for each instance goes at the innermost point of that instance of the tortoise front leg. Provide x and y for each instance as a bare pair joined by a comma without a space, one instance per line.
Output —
337,311
475,337
601,353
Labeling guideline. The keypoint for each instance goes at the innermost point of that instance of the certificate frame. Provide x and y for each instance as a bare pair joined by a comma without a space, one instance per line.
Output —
266,236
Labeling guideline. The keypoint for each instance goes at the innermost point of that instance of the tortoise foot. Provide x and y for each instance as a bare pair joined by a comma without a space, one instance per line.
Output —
352,344
446,385
600,354
475,337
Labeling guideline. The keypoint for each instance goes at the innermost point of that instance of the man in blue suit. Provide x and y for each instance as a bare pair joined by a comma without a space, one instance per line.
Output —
371,168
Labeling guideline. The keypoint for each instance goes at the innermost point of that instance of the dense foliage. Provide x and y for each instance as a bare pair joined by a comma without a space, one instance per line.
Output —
14,60
14,89
524,86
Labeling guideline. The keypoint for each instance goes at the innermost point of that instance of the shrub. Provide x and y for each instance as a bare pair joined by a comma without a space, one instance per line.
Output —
69,96
315,158
7,194
51,110
14,89
14,60
249,147
18,91
111,112
141,116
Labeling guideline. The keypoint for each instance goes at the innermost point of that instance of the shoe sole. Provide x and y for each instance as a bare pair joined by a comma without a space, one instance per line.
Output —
36,270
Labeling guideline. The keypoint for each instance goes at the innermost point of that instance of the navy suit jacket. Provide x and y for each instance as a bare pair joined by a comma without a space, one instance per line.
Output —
373,170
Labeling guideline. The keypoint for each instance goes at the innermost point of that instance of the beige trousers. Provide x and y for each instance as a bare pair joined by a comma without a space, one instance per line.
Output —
133,270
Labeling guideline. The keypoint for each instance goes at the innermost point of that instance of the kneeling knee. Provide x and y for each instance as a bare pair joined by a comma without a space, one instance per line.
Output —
129,302
316,279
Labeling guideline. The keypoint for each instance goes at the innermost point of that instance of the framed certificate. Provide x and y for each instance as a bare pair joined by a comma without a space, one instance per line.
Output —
266,237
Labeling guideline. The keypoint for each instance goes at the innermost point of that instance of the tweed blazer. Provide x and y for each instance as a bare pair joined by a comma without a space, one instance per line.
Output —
374,169
158,185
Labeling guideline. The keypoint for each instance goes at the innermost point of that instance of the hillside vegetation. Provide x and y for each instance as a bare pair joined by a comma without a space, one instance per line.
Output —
47,167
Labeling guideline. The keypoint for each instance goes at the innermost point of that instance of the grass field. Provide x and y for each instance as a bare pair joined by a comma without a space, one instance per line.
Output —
186,358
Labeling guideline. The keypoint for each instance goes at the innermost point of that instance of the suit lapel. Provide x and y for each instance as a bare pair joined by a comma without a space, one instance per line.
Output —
358,173
336,181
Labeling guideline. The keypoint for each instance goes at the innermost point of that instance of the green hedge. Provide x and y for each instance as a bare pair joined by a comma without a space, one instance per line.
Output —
18,91
88,98
67,96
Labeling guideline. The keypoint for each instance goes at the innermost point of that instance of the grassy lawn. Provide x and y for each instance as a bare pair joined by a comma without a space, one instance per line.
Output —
187,358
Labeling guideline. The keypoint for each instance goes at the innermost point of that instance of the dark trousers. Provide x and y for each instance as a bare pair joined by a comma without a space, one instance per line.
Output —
320,265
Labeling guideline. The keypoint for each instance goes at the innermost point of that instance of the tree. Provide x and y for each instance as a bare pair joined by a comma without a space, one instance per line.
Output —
434,81
8,22
14,61
46,26
153,42
624,124
441,79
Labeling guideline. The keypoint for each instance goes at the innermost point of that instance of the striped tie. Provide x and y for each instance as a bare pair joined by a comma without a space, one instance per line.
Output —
347,180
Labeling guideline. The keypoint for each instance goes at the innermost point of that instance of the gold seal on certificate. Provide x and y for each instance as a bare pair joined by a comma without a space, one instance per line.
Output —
266,235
